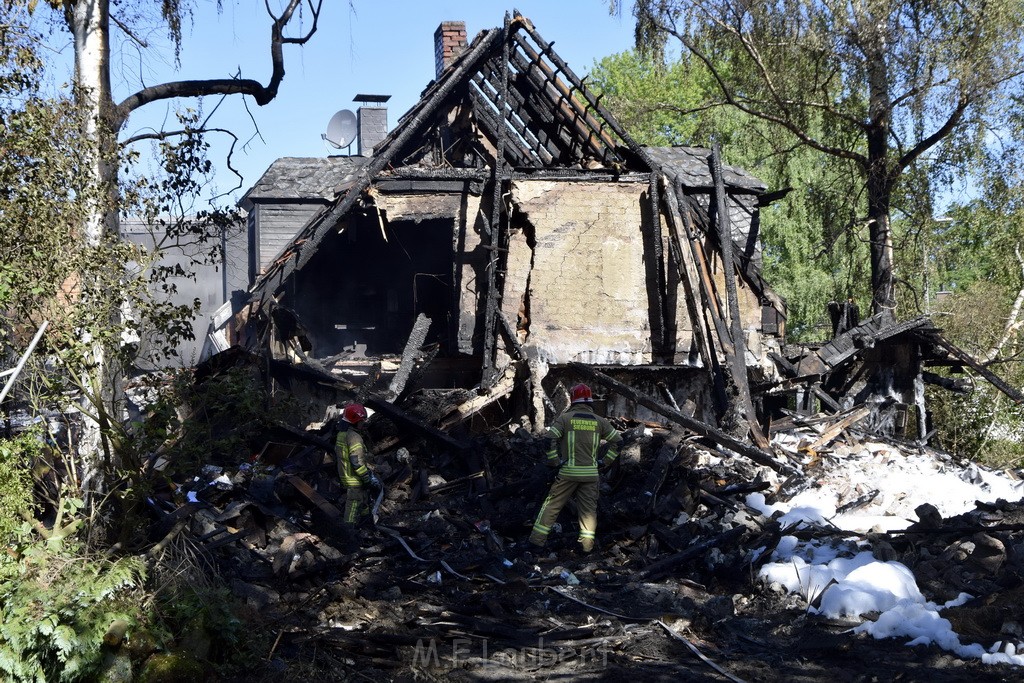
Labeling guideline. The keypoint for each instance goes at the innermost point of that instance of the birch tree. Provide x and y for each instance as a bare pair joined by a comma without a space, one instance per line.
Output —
90,24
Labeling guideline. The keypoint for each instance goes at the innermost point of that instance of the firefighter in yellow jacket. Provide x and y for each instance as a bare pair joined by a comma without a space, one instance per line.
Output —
574,439
350,454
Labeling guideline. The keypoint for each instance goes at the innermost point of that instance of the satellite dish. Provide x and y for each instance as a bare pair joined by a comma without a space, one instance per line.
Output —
341,129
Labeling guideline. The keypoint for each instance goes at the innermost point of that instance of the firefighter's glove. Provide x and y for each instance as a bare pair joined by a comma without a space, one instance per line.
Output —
374,482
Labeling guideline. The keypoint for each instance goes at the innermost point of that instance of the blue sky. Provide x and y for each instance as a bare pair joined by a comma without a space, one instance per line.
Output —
383,47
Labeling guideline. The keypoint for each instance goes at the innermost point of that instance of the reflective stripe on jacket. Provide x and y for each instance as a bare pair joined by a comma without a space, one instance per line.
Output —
575,437
350,454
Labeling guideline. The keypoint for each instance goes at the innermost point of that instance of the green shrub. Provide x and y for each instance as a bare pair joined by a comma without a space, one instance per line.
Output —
55,607
16,458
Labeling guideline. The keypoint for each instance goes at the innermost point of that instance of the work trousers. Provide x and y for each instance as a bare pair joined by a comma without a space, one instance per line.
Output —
585,494
355,504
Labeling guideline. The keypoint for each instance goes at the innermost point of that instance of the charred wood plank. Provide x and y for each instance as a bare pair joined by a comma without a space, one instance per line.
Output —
737,489
700,655
687,271
663,567
400,416
858,503
974,364
500,389
825,398
670,538
455,483
654,277
413,344
696,426
230,538
711,304
573,114
831,432
592,101
492,125
656,478
494,236
959,386
332,512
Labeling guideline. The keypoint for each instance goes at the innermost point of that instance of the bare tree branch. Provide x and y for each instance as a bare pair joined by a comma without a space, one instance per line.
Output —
165,134
232,86
744,105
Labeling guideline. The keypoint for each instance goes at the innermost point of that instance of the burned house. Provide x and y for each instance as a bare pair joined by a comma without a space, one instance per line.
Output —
509,224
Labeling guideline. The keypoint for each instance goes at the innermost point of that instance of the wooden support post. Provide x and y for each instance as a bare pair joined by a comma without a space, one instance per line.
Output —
495,235
739,363
712,305
655,271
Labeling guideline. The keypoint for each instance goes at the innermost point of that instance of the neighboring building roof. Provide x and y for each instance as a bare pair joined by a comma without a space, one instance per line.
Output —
310,178
691,167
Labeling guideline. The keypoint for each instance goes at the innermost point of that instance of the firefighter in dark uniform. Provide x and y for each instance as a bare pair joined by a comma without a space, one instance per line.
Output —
574,439
350,454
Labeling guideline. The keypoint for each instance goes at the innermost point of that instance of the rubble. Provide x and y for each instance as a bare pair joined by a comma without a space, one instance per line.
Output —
443,585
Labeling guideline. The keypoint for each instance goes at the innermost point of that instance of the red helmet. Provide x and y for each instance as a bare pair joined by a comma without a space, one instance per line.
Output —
354,413
581,393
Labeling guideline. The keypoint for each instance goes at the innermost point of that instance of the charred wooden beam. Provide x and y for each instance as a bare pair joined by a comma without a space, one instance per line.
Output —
527,111
454,483
974,364
832,431
739,364
687,271
959,386
663,567
570,111
711,303
412,347
562,141
654,270
591,100
656,477
444,185
495,235
325,506
400,416
541,153
825,398
488,120
498,390
696,426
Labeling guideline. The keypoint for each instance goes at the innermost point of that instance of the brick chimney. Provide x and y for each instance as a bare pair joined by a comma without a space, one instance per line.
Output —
371,122
449,42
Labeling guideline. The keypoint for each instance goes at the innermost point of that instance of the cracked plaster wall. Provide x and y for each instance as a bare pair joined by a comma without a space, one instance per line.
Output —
587,299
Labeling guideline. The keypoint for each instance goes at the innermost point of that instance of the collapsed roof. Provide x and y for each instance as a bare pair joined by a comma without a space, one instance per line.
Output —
511,210
509,229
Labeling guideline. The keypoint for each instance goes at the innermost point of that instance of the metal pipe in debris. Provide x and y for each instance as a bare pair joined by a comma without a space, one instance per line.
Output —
24,359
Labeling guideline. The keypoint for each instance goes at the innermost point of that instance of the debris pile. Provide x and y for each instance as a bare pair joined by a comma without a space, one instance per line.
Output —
444,583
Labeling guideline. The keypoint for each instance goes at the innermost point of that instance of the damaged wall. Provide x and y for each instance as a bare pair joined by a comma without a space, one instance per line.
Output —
463,212
587,277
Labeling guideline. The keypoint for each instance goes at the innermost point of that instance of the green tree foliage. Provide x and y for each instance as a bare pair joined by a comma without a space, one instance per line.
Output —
976,262
875,83
811,256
